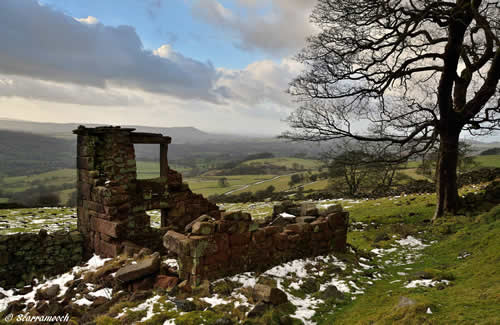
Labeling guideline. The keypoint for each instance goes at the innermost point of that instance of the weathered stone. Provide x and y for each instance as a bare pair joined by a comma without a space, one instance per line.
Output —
185,305
203,228
269,294
307,219
258,310
201,218
147,266
308,209
48,293
166,282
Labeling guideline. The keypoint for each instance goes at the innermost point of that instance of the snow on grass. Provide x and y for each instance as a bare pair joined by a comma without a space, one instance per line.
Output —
412,242
215,300
61,280
83,302
425,283
104,292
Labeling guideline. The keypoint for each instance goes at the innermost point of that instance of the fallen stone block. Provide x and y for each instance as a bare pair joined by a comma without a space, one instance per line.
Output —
147,266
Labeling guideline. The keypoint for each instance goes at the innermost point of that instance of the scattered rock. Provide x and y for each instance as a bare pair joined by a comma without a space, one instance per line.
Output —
202,290
269,294
203,228
143,284
331,292
147,266
166,282
224,321
185,305
405,302
310,286
47,293
382,237
258,310
99,301
140,295
185,286
202,218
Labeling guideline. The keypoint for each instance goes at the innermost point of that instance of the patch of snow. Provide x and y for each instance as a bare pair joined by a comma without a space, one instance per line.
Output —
286,215
104,292
424,283
171,262
429,311
246,279
214,301
340,284
412,242
83,302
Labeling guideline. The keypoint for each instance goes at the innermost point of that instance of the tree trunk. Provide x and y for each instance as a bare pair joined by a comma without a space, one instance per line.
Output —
446,175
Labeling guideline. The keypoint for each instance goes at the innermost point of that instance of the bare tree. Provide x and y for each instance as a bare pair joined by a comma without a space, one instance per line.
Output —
410,72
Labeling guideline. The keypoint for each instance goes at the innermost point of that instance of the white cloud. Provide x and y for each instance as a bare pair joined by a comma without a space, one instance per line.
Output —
261,82
279,27
90,20
41,43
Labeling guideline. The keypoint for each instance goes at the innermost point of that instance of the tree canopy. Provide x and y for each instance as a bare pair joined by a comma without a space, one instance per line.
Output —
406,73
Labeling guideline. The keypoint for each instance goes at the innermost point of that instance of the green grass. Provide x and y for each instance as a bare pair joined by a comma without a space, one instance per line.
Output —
488,161
208,185
286,162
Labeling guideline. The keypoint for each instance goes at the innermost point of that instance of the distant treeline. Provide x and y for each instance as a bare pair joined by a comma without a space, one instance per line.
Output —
490,152
28,154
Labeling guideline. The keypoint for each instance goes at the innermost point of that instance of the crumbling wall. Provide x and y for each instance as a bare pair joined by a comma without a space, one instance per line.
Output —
25,256
233,244
112,202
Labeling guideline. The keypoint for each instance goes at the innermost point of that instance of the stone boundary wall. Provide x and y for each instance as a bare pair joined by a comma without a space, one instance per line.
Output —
234,244
26,256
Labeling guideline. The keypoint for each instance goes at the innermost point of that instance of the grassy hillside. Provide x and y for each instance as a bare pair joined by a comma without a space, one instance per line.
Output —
288,162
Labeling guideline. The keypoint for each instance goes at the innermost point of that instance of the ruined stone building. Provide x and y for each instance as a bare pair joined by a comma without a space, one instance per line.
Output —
208,243
112,202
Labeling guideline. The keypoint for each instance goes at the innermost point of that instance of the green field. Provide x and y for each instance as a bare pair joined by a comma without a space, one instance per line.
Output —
207,185
287,162
488,161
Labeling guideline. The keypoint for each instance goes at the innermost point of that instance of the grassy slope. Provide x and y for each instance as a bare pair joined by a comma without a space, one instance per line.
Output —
472,298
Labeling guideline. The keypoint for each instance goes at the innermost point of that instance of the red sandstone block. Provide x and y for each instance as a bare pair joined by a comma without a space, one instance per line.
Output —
238,239
319,226
338,219
258,237
93,206
111,228
109,249
319,236
239,251
280,240
222,242
271,230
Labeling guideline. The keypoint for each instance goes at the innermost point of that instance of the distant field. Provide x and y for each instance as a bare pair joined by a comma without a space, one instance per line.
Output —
208,185
53,178
286,162
489,161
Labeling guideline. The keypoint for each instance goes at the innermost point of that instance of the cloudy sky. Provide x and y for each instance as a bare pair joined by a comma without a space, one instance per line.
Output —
219,65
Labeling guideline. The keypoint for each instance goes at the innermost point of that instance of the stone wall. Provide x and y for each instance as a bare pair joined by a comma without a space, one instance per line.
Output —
112,202
26,256
233,244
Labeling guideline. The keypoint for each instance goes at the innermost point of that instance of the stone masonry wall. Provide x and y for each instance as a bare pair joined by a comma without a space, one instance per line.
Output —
26,256
112,202
235,244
